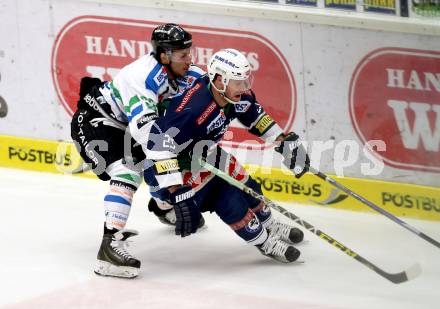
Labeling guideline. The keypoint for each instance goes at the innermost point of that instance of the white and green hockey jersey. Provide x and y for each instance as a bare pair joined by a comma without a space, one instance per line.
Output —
133,95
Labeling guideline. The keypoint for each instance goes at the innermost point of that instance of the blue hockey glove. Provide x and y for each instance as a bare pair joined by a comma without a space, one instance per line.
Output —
186,209
294,154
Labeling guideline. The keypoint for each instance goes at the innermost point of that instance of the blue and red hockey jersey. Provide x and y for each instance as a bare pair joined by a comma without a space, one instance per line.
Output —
193,120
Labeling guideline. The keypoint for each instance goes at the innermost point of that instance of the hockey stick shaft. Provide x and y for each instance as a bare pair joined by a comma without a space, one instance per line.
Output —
400,277
375,207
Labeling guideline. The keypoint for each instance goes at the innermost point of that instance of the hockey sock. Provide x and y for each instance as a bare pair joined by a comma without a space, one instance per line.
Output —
117,203
250,229
262,211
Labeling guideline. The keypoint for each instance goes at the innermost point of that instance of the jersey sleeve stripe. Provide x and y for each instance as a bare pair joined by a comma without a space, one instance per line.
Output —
139,109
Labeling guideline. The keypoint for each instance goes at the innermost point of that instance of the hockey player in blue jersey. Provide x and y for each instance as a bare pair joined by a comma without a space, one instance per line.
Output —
112,118
192,127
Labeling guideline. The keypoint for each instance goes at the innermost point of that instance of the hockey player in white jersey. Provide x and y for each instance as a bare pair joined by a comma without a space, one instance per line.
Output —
109,130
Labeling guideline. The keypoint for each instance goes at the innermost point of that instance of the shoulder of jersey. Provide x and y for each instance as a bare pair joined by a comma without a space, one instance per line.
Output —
194,72
192,100
245,103
156,77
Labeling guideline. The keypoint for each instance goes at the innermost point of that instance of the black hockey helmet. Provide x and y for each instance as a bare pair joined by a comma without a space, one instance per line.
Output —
169,37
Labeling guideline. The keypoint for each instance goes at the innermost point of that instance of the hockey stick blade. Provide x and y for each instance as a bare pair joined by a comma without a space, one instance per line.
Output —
375,207
399,277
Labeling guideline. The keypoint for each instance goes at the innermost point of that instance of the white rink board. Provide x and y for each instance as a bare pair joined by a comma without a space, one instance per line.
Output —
322,60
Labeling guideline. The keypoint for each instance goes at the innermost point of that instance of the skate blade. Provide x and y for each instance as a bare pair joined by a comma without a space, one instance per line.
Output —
107,269
299,262
285,261
303,242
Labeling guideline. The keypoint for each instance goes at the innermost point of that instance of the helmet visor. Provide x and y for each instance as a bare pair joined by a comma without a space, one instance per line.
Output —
241,85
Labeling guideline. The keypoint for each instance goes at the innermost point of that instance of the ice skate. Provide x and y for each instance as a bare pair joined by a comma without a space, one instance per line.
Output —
279,250
113,258
286,232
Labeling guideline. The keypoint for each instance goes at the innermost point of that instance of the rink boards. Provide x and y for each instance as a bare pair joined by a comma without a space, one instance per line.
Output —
400,199
365,85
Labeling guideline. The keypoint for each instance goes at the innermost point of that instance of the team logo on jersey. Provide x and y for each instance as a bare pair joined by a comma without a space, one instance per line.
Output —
160,77
242,107
217,122
190,80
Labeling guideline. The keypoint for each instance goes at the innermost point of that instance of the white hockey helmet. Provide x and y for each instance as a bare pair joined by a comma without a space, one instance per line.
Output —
234,69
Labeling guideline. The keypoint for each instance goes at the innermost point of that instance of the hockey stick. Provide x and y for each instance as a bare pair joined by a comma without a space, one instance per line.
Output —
400,277
375,207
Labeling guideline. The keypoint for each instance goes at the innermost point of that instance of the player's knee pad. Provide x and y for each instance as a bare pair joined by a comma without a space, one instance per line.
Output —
262,210
230,204
231,212
251,201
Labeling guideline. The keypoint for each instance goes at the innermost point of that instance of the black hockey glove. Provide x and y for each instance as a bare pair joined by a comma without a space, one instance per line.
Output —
187,211
154,208
294,154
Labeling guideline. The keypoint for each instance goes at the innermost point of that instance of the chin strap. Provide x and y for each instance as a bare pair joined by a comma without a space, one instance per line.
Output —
222,93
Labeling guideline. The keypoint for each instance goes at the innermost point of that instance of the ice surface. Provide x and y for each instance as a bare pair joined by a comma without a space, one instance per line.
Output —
51,227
